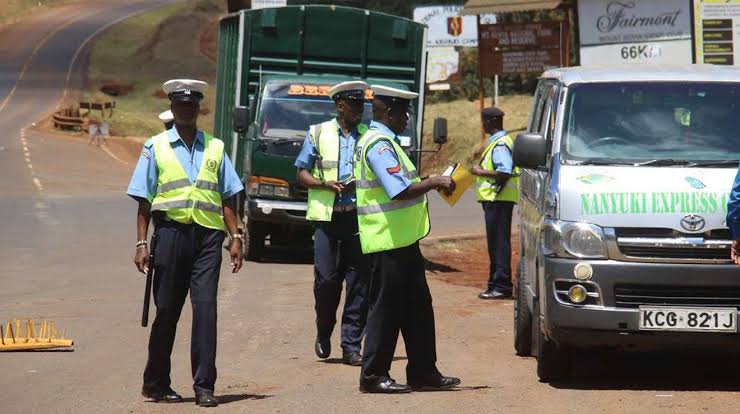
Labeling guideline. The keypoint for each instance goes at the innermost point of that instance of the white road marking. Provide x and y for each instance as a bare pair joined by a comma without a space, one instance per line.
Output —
37,183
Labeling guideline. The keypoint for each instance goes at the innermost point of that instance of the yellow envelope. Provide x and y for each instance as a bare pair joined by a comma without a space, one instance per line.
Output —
463,180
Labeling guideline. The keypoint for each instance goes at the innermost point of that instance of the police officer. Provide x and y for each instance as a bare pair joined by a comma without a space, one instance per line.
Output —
325,167
185,182
498,191
393,217
167,119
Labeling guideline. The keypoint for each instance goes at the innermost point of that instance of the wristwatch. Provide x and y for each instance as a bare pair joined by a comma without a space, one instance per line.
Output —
236,236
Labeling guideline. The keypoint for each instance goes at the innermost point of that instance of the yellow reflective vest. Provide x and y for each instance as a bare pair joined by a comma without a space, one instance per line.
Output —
490,190
384,223
183,201
325,138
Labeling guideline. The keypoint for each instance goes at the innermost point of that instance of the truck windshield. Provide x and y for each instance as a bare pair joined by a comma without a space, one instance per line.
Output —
288,109
656,124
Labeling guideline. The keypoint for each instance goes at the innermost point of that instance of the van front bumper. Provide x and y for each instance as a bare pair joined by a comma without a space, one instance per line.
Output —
609,322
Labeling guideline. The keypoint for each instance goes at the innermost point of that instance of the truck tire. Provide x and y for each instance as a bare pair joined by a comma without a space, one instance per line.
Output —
254,243
553,361
522,317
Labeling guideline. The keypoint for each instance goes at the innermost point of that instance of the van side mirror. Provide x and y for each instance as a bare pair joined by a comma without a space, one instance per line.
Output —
530,150
440,131
241,119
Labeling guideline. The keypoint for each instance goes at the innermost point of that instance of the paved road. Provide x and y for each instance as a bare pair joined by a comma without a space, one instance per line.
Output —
66,249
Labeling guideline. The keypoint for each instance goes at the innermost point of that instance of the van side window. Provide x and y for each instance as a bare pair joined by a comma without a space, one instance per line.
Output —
539,99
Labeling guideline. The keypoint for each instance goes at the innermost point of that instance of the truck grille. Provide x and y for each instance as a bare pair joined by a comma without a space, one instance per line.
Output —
300,192
632,296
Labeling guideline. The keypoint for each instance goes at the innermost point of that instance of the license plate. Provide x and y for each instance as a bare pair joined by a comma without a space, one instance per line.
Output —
655,318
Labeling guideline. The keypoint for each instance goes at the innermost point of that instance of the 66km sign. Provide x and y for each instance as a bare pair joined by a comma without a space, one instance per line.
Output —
637,52
663,52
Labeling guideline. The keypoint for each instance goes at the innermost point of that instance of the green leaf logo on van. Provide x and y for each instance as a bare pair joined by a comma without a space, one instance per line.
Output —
595,179
695,183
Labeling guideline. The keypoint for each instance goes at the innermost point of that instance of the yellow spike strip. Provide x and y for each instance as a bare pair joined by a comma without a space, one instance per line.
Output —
15,339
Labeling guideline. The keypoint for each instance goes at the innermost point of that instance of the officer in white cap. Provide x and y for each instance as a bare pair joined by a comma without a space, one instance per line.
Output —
393,217
185,182
167,119
325,166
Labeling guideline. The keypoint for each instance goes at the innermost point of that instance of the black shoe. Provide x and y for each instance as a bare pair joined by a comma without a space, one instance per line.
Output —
435,384
494,294
352,358
322,347
206,400
384,386
168,396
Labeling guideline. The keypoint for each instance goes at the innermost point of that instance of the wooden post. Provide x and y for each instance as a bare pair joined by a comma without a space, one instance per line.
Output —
481,87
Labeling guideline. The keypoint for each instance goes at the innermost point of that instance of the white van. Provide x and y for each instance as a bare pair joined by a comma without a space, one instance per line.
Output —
626,172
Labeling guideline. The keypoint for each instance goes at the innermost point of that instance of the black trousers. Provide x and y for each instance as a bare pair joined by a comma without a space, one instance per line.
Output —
187,258
399,300
498,234
338,258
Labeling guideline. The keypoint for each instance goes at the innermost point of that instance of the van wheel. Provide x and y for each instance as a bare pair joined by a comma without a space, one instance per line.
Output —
553,361
522,318
254,245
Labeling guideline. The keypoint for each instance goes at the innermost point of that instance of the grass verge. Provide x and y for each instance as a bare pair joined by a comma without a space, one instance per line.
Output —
13,11
464,143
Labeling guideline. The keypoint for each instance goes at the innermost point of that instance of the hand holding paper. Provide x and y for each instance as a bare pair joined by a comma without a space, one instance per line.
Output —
462,179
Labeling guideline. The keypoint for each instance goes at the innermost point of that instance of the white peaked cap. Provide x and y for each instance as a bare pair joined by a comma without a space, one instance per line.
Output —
166,116
181,85
380,90
352,89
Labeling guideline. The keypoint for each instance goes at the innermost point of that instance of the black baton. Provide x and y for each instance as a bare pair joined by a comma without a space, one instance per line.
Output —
149,276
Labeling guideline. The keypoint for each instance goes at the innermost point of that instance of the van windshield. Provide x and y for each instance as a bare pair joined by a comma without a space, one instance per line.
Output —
648,123
288,109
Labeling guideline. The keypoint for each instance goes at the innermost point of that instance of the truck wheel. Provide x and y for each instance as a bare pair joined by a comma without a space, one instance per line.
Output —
522,317
553,361
254,245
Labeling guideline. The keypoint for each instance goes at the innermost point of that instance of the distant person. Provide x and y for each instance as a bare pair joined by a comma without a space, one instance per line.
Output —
167,118
325,166
498,191
185,182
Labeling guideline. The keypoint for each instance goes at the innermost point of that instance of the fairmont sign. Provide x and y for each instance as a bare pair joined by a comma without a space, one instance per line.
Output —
622,21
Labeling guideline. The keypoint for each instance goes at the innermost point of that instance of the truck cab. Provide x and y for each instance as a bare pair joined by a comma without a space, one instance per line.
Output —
624,188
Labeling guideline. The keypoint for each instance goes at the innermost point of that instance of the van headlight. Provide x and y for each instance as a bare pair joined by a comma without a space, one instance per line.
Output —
573,239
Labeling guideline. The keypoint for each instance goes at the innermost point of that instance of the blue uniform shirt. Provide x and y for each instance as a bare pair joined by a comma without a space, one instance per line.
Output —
733,209
502,161
144,180
383,160
307,160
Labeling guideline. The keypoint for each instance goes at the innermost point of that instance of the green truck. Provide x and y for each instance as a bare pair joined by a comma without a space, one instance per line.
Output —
275,66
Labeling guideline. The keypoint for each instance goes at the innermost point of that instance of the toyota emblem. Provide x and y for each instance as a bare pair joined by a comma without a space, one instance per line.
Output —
692,222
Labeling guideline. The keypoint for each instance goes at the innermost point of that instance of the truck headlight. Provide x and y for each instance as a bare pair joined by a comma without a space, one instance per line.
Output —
268,187
573,239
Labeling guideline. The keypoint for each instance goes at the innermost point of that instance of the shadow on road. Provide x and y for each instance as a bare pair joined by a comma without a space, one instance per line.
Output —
438,267
287,255
665,371
230,398
339,360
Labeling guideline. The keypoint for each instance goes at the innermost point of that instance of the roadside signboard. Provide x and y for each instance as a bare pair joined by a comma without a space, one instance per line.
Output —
628,31
443,67
263,4
447,27
716,31
510,48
